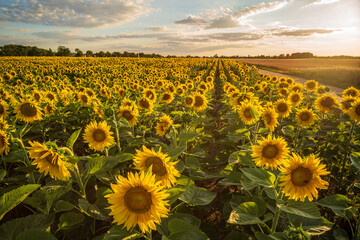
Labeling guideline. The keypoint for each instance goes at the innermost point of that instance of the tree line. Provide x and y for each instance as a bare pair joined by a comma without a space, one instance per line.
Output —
20,50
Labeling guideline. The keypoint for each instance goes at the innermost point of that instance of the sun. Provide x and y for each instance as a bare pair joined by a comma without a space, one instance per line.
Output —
138,200
301,177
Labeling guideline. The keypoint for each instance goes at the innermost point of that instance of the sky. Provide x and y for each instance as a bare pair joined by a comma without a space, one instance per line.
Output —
185,27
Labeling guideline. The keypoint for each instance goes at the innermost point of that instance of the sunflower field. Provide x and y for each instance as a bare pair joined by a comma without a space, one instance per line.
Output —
173,149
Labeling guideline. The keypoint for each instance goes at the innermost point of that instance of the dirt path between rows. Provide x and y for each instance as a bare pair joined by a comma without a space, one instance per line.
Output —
334,90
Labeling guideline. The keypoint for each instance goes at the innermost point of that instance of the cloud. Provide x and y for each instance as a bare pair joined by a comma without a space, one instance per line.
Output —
158,28
225,18
72,13
303,32
18,29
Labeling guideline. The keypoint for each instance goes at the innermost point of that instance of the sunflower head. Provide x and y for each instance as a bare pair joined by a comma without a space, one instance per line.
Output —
150,94
270,152
200,102
167,97
28,111
138,200
282,107
248,112
189,101
295,98
3,108
130,113
311,85
48,161
160,129
84,99
3,124
166,120
354,111
145,103
98,135
325,103
4,144
351,92
305,117
301,177
163,169
346,103
269,117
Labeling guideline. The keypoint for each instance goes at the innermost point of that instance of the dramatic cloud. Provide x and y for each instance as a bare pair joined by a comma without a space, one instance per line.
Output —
72,13
261,8
303,32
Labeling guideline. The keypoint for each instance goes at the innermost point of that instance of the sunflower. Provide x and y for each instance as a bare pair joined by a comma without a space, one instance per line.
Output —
150,94
167,97
49,108
166,120
163,169
297,87
295,98
321,90
126,102
4,144
270,119
346,102
354,111
138,200
325,103
311,85
189,101
3,124
301,177
200,102
248,112
84,99
160,129
48,161
270,152
37,95
145,103
130,114
351,92
3,108
282,107
98,136
28,111
305,117
283,92
121,92
50,96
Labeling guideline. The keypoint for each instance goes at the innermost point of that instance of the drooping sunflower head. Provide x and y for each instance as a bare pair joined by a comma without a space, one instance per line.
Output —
189,101
98,135
4,144
325,103
50,96
269,117
270,152
351,92
354,111
305,117
295,98
48,161
130,113
320,90
346,103
3,108
121,92
162,167
126,102
301,177
150,94
282,107
200,102
49,108
145,103
37,96
138,200
167,97
311,85
28,111
166,120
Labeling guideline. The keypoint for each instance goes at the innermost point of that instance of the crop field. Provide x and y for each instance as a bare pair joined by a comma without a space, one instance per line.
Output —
341,73
174,149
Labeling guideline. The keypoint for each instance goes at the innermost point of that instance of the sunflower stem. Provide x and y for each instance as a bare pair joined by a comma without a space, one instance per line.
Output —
149,235
67,150
117,134
106,152
80,182
27,161
276,214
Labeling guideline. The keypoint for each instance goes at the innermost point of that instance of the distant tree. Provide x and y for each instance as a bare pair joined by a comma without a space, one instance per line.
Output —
101,54
63,51
107,54
116,54
89,53
50,53
281,56
79,53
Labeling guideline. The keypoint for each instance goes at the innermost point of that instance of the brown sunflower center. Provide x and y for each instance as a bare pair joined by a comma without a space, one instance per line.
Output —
144,104
327,102
84,98
304,116
351,93
247,113
357,110
28,110
301,176
50,96
158,167
138,200
311,85
270,151
166,97
150,95
295,98
127,115
268,118
2,109
282,107
199,101
37,97
189,100
99,135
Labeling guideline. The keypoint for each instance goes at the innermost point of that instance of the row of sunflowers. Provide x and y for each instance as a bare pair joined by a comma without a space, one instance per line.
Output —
174,149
